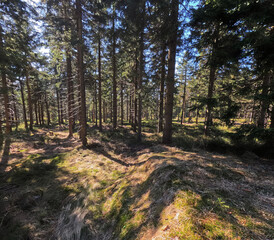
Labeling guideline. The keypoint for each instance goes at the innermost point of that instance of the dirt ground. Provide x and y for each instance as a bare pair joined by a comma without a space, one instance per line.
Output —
51,188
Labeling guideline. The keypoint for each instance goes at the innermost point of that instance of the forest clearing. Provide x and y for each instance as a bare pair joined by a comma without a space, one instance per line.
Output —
136,119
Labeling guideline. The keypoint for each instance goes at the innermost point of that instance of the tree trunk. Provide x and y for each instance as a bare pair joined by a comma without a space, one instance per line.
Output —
172,44
212,77
264,102
58,106
81,81
5,90
184,101
29,102
1,132
42,112
104,111
47,109
128,100
100,85
70,94
197,116
272,100
130,106
15,109
6,102
141,73
69,77
36,112
114,122
162,88
39,112
96,105
122,103
24,105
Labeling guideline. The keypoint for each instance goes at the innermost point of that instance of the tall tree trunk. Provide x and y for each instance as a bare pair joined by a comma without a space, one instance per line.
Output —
39,112
172,44
134,120
264,102
99,85
114,122
15,109
5,89
141,72
197,116
104,111
184,101
130,106
29,102
42,112
47,108
122,103
24,105
128,100
272,100
96,105
61,104
212,78
58,106
70,94
83,120
6,101
162,88
36,112
1,132
69,77
135,100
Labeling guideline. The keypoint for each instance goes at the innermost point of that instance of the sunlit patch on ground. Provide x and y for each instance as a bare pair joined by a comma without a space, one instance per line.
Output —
117,191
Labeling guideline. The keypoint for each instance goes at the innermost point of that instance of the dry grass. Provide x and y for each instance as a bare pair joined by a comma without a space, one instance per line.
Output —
115,191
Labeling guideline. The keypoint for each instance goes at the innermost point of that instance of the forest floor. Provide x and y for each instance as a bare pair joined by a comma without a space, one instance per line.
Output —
52,188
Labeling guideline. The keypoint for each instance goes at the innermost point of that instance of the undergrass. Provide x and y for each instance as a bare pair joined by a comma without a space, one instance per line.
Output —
117,189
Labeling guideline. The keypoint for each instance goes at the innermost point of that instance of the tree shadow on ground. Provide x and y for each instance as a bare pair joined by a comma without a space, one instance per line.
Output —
163,185
32,194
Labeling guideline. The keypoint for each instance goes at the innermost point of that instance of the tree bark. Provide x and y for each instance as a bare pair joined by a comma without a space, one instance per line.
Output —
100,85
162,89
122,102
81,81
197,116
114,122
30,108
15,109
134,120
70,94
141,73
184,101
69,77
42,112
172,45
6,101
58,106
5,89
212,78
47,108
36,112
24,105
272,110
127,107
